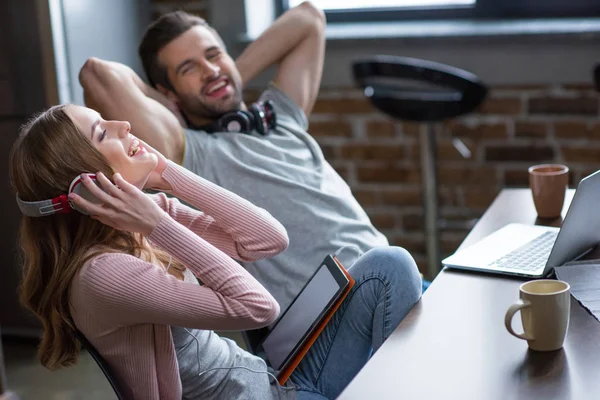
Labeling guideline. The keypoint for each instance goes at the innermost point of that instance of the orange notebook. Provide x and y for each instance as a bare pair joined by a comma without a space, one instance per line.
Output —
285,373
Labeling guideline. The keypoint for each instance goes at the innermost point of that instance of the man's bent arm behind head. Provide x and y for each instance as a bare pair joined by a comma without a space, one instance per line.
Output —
117,93
296,41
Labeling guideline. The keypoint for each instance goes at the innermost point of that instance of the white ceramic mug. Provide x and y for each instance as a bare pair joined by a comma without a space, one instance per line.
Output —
545,306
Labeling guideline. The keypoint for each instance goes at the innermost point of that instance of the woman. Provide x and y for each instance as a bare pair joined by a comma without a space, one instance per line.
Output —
125,275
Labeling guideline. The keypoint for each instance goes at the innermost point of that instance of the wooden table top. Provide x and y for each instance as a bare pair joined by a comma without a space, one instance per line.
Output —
453,343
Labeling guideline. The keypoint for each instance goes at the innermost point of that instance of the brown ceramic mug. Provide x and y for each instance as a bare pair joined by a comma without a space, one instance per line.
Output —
548,183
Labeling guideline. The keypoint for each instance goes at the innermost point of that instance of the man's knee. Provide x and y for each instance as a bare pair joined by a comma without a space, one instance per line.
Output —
396,259
398,266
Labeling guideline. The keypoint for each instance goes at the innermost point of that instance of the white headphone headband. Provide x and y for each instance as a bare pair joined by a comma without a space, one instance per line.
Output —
60,204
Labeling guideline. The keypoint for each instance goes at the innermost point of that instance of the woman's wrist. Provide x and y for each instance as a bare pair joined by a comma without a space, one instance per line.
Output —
156,181
161,184
153,222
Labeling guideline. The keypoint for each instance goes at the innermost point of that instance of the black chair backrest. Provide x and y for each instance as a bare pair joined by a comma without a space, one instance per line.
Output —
418,90
100,361
597,77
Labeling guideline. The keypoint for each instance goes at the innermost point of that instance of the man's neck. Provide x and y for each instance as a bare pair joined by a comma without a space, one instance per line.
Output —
196,122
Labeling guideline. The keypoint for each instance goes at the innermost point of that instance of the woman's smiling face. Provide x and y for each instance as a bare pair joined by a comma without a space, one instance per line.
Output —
123,151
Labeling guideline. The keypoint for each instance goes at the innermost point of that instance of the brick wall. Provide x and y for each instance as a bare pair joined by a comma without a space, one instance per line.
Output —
516,127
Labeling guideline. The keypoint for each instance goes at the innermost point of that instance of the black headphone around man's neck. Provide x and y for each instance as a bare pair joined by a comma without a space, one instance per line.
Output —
260,117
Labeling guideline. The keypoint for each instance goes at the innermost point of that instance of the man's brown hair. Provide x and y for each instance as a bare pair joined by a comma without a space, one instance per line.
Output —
159,34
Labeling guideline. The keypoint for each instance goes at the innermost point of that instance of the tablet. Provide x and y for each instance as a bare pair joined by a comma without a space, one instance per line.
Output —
302,317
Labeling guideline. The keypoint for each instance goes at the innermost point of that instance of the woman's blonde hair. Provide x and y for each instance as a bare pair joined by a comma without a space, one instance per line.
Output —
49,152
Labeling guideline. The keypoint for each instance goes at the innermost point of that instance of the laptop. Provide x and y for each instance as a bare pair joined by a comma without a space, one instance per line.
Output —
534,251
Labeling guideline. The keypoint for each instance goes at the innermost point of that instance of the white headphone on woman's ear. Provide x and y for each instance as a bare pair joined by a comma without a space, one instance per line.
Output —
60,204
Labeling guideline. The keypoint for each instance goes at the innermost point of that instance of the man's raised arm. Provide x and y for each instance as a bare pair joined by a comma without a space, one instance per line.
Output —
117,93
296,41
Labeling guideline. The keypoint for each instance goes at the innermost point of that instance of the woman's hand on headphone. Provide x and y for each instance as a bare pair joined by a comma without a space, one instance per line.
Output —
123,206
155,180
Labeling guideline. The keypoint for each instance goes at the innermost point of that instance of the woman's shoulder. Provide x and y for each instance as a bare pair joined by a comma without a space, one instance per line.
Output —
105,278
94,282
107,257
100,267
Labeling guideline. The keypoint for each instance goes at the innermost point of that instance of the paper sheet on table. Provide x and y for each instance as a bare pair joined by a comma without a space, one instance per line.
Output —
584,278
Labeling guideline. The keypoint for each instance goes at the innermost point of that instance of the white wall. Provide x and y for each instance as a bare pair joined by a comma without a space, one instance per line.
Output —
109,29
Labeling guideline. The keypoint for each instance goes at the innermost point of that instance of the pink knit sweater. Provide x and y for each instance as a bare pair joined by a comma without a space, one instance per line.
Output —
124,305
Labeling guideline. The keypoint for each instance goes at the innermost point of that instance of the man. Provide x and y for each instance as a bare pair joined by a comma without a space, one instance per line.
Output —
195,82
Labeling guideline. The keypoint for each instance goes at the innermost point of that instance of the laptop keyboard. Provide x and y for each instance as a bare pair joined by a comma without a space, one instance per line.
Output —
529,257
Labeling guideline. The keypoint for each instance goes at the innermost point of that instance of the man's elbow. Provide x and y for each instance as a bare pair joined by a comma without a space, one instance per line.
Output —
89,71
97,73
314,15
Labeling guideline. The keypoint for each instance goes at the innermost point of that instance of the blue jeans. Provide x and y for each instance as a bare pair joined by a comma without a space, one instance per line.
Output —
387,286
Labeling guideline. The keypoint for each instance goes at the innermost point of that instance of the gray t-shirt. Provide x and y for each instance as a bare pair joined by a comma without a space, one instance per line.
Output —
213,368
285,173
